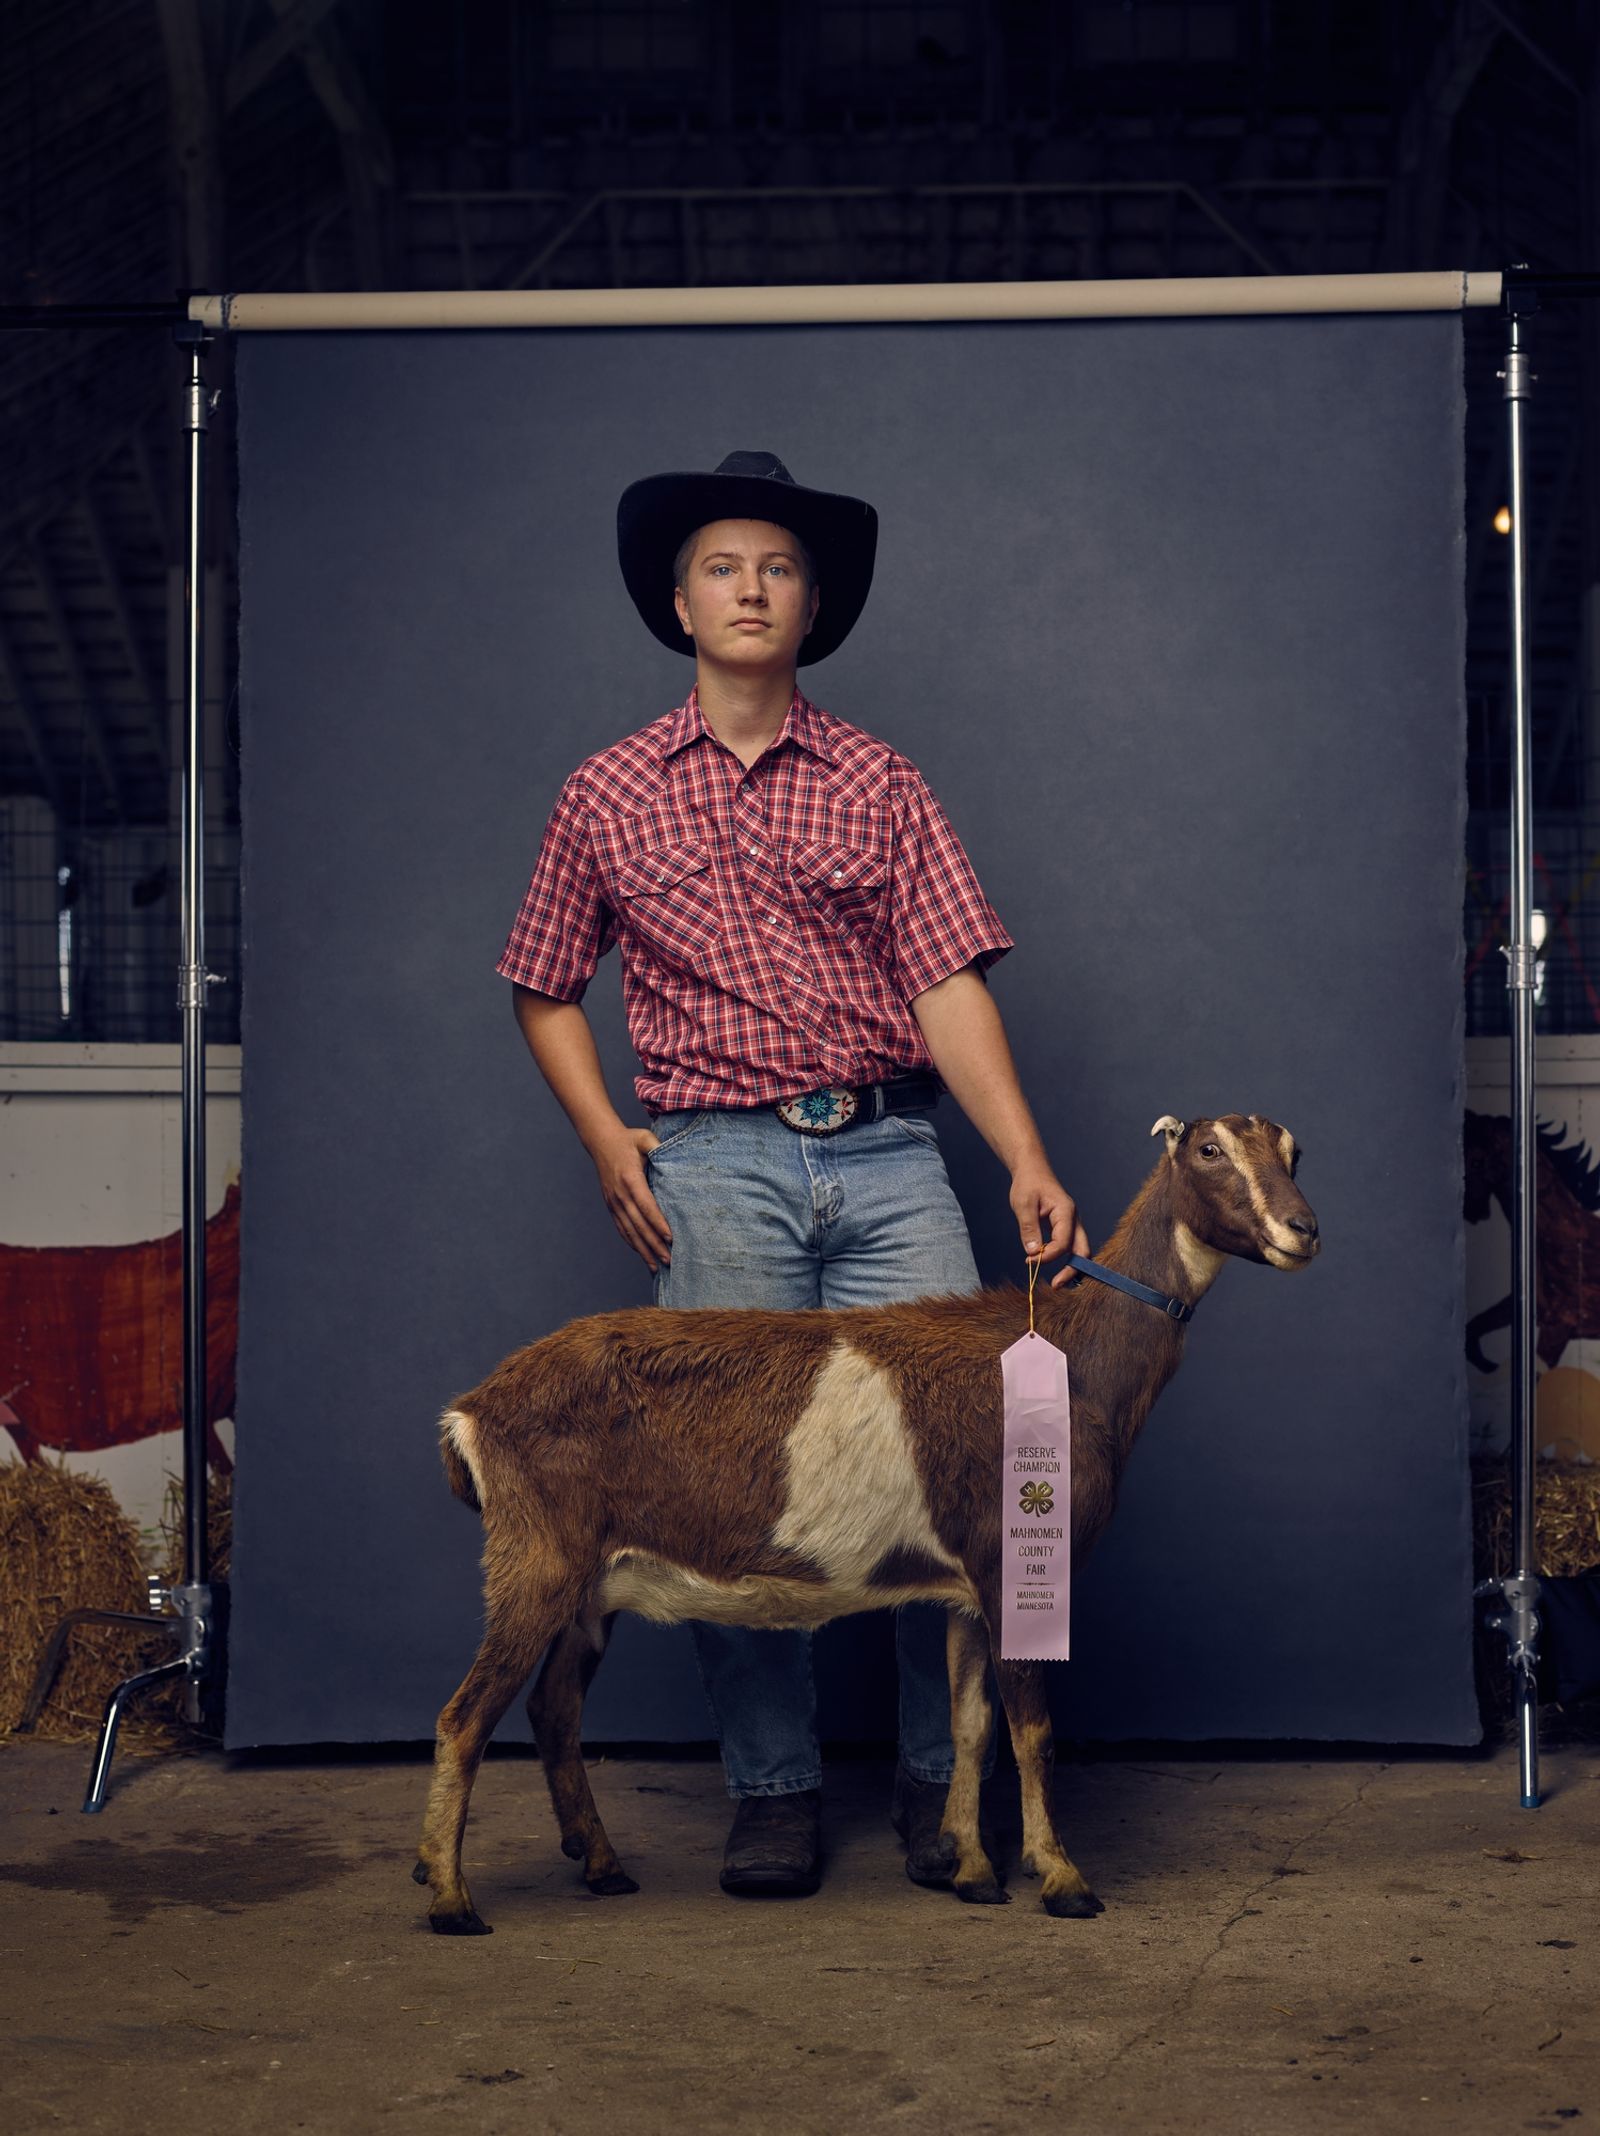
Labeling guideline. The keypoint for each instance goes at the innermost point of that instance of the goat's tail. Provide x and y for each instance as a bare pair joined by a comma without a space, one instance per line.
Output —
456,1435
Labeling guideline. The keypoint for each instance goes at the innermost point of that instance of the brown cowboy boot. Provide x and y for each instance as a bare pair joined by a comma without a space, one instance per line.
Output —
775,1846
916,1811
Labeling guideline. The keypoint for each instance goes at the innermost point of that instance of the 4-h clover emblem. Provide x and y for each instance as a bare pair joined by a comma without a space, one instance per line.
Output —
1038,1499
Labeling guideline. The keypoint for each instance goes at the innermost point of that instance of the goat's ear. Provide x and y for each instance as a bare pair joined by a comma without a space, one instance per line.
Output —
1174,1130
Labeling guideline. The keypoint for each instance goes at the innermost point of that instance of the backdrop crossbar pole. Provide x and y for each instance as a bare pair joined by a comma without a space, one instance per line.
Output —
338,311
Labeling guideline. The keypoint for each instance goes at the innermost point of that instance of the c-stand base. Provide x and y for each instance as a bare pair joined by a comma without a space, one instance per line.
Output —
191,1621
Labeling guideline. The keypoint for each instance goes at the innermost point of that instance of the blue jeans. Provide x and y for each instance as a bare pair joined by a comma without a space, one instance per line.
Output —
761,1216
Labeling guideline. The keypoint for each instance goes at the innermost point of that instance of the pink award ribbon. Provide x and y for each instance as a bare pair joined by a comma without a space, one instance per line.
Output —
1035,1503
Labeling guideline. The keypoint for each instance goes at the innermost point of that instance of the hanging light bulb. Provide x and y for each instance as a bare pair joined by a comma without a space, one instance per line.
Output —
1502,520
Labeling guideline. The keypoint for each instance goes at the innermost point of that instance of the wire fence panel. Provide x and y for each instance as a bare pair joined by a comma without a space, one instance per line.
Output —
90,931
89,927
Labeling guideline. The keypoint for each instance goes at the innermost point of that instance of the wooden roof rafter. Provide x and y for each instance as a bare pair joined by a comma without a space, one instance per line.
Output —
19,701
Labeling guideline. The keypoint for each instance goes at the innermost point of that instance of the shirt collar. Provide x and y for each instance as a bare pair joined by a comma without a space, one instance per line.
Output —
803,724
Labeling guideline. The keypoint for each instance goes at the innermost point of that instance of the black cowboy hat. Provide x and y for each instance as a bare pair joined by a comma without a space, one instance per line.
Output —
656,516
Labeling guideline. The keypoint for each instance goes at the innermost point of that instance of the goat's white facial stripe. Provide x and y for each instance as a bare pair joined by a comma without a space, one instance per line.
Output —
853,1489
1230,1142
463,1437
1277,1232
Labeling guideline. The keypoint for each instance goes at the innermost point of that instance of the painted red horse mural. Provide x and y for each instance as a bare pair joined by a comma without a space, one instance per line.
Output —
1567,1202
91,1340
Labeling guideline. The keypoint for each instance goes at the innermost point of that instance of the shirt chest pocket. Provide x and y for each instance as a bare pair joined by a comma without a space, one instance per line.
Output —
847,884
667,896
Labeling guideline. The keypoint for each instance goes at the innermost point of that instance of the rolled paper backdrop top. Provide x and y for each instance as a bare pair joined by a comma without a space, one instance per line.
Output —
337,311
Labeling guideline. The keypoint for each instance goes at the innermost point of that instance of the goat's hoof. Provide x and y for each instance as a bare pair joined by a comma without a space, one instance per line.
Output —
419,1875
574,1849
1073,1905
470,1923
989,1894
615,1884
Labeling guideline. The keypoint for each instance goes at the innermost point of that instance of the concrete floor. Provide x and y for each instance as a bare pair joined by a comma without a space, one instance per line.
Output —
1288,1945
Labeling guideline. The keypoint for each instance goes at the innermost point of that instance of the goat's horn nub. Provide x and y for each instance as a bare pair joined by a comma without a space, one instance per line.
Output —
1174,1130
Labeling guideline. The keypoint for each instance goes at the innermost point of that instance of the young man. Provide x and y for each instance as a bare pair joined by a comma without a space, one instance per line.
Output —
802,942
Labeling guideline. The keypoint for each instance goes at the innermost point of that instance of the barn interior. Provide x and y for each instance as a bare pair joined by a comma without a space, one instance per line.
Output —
1298,1931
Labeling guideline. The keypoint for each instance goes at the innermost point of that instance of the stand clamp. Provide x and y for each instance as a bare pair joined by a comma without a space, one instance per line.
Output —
1519,1620
1518,375
188,1610
192,982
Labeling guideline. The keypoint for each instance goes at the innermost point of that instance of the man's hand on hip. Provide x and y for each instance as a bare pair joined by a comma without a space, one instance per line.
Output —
563,1048
1047,1217
619,1160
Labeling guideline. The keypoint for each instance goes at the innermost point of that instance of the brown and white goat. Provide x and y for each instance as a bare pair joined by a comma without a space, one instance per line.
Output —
787,1468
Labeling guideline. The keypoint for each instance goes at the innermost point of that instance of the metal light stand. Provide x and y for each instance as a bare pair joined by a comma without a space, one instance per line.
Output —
186,1613
1518,1592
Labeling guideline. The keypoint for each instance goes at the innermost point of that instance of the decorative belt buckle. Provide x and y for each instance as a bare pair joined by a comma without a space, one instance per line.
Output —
819,1112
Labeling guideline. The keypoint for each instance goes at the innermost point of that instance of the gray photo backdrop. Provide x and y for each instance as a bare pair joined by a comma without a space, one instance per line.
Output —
1170,615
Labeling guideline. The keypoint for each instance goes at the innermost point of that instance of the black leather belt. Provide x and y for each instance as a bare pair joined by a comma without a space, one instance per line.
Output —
826,1112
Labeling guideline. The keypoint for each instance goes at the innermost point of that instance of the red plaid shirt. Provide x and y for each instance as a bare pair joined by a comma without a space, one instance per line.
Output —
775,924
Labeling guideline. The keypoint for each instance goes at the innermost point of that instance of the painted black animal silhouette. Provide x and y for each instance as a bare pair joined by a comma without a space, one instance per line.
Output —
1567,1234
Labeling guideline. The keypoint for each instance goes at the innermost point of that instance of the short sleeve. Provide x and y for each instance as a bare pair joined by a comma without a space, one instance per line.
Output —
564,927
940,920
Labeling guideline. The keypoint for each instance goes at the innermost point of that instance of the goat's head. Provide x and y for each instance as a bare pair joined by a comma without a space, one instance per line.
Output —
1232,1182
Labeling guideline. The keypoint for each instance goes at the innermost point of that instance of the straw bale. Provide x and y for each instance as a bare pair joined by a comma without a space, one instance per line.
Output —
1566,1517
219,1527
66,1544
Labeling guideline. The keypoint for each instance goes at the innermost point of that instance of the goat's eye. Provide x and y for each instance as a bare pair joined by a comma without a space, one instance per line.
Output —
1209,1149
